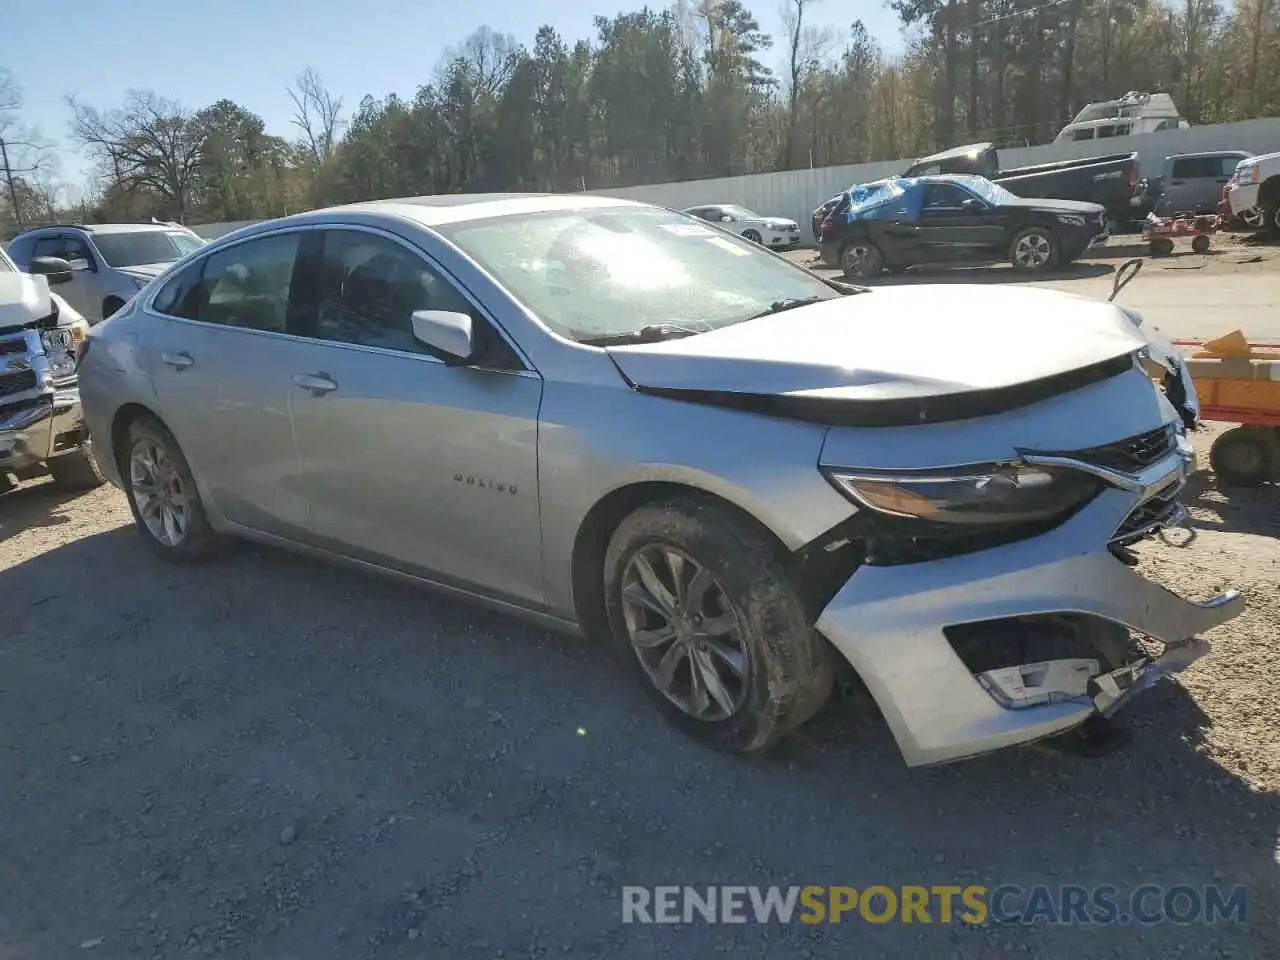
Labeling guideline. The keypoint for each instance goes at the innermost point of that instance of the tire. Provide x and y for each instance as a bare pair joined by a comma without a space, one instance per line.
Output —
1244,456
196,540
1035,249
1271,215
752,235
860,258
1200,244
1160,247
782,671
78,470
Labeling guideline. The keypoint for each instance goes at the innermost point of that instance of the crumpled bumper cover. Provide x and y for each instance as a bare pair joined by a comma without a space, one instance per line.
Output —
27,433
889,624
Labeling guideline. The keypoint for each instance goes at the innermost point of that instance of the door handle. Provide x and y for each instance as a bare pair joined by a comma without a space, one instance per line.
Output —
317,383
179,361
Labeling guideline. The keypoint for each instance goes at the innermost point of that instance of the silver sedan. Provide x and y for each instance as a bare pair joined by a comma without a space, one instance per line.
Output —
617,419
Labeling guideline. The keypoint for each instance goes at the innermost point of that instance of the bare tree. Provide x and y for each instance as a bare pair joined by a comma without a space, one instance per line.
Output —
805,48
150,143
317,113
24,153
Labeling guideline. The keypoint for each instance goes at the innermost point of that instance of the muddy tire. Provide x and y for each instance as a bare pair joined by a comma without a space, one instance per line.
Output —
163,497
78,470
722,618
1245,456
860,259
1034,250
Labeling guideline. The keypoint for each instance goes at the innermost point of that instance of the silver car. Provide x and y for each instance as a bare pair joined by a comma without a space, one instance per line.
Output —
776,233
615,419
109,262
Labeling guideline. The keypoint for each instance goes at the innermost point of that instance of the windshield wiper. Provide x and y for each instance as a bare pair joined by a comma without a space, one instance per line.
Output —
654,333
780,306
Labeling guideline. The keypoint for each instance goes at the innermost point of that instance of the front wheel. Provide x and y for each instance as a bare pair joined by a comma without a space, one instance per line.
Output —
752,235
1034,248
861,258
702,611
162,492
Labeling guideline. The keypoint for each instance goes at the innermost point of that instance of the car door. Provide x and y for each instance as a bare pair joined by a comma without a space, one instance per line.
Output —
407,461
955,225
219,357
1190,180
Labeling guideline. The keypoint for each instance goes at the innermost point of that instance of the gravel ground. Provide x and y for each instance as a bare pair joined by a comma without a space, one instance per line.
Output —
272,758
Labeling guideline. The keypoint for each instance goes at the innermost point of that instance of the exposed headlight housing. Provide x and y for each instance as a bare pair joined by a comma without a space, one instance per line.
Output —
982,494
1246,173
1071,219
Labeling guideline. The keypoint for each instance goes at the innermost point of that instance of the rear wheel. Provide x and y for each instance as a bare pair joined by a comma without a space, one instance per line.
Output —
162,494
1034,249
702,612
861,258
77,470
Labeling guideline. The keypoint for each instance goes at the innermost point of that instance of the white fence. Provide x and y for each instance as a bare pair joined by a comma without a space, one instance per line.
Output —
794,193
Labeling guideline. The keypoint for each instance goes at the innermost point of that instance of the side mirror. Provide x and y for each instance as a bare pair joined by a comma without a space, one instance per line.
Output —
972,204
54,269
446,333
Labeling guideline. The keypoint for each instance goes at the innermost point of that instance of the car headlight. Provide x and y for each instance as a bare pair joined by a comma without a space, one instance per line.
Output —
1071,220
980,494
1246,174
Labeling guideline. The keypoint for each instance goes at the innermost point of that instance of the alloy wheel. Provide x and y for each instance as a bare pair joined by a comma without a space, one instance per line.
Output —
159,492
1032,250
685,632
1252,218
856,259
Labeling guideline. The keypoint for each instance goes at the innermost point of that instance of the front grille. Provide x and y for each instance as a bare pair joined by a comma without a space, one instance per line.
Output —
17,382
1132,453
1149,516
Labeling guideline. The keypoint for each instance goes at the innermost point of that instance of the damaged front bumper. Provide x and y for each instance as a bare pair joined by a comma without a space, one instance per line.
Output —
37,428
891,623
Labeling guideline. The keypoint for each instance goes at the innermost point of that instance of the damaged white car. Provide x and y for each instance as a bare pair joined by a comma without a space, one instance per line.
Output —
613,418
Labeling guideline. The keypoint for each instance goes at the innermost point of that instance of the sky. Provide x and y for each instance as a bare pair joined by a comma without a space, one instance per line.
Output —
249,51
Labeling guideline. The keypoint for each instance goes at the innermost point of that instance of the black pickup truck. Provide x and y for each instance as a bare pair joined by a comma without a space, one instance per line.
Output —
1109,180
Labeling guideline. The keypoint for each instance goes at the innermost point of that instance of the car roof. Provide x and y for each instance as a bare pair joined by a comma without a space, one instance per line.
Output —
100,228
434,211
1210,153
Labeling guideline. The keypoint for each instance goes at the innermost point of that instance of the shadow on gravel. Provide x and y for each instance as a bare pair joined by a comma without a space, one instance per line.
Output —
33,504
1234,509
268,756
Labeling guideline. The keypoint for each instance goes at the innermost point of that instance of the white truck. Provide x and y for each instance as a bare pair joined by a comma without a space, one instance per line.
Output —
1253,193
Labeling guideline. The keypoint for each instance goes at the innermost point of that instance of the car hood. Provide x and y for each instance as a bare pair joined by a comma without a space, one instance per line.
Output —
892,344
24,299
1056,206
146,271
